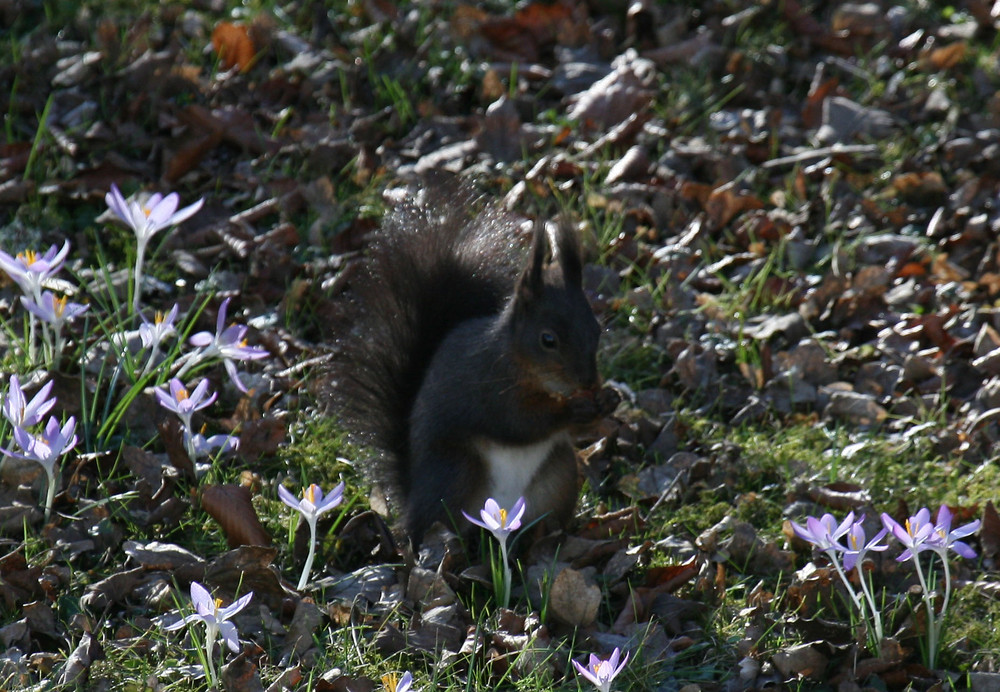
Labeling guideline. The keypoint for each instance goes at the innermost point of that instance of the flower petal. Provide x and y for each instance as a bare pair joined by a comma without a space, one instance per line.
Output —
202,599
286,496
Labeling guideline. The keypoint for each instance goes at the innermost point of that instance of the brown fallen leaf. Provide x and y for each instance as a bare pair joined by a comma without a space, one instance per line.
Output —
249,568
919,186
261,437
989,533
945,57
803,659
112,590
234,46
343,683
840,496
573,599
187,157
242,673
232,508
173,441
727,201
812,111
87,651
21,582
671,577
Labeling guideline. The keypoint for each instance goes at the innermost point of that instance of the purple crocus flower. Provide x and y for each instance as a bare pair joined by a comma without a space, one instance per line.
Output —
200,446
152,334
216,619
915,534
47,447
228,343
311,506
944,538
183,404
857,546
825,533
146,219
31,270
601,672
497,520
313,503
392,683
23,413
45,450
53,310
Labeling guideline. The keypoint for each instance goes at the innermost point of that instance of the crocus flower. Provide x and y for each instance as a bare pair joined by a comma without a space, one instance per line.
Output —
199,446
45,449
228,343
914,534
857,547
56,312
824,533
500,523
154,214
313,504
392,683
919,534
23,413
497,520
146,219
31,270
601,672
944,538
53,310
153,333
216,619
183,404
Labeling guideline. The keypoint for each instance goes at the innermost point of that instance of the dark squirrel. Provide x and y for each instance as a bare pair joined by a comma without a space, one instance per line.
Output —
466,366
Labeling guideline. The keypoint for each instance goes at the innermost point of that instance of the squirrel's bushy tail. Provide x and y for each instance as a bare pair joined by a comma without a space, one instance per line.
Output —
429,267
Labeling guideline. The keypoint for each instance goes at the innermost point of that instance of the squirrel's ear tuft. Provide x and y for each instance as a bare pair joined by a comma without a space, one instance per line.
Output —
568,255
531,283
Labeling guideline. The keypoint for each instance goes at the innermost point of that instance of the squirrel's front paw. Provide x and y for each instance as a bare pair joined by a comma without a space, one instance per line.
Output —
588,406
607,400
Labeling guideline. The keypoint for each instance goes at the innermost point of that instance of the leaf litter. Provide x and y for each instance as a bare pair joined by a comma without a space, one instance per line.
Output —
797,224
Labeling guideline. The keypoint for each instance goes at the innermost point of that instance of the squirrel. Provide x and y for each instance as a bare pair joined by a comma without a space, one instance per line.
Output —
466,367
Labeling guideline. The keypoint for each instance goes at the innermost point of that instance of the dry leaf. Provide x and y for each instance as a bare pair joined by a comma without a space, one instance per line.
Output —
233,45
573,600
989,533
948,56
917,187
812,111
726,201
232,508
804,660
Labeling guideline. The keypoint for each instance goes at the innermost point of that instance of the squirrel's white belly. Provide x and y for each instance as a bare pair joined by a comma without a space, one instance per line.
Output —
512,467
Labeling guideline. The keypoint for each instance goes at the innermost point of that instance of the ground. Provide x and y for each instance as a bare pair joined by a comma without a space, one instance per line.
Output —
789,214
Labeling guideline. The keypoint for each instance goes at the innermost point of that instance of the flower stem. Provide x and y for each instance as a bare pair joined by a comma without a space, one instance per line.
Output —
304,579
209,662
876,615
932,632
140,253
50,492
32,337
154,352
506,574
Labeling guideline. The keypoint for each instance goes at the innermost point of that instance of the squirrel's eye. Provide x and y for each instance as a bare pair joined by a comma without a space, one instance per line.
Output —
548,340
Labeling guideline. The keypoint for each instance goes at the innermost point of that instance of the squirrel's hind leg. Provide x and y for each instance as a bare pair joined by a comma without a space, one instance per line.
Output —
440,487
553,492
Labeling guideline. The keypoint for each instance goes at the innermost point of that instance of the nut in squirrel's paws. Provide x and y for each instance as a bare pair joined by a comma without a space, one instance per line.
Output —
588,405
